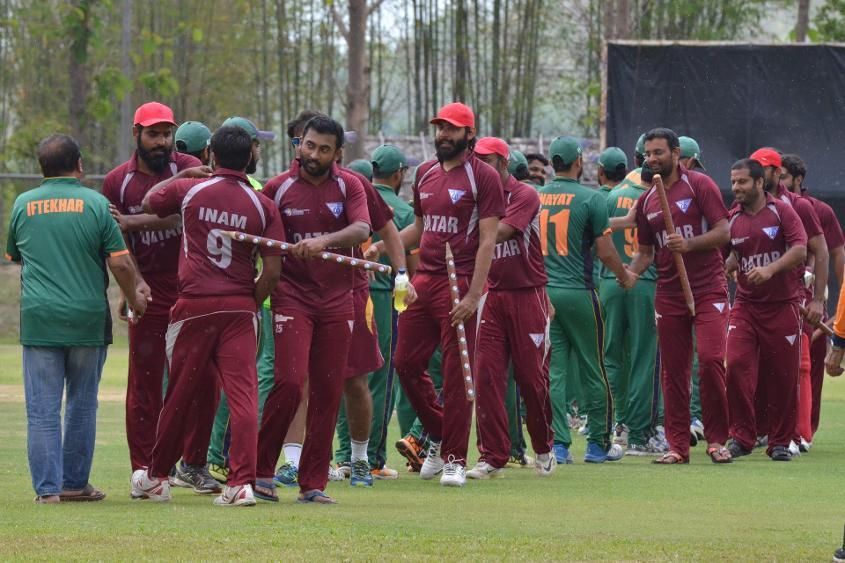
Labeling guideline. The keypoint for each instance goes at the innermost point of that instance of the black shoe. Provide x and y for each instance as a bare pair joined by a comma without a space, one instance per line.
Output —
197,478
737,450
780,453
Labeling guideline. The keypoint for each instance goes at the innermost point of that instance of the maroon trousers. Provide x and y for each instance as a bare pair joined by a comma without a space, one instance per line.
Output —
674,334
423,326
208,348
147,360
313,346
514,326
764,344
818,351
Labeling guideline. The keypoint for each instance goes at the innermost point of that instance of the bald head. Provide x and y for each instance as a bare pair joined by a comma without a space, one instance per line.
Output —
59,155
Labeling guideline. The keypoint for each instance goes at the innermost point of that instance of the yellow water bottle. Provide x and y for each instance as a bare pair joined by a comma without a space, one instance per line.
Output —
400,290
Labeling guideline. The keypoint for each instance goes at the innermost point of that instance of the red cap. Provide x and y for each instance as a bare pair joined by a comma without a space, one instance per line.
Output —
152,113
766,157
492,145
457,114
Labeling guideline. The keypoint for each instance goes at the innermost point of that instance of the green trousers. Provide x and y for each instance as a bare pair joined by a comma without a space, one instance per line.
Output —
408,421
218,448
577,336
381,384
695,396
630,353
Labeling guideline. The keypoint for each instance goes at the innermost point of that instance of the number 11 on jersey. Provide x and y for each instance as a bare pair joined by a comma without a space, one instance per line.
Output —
560,220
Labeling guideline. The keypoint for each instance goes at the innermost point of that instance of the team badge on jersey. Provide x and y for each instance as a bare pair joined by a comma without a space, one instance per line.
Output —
537,338
791,339
456,195
719,306
771,232
683,204
336,207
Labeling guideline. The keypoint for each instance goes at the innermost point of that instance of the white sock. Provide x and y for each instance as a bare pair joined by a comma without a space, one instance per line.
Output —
359,450
292,453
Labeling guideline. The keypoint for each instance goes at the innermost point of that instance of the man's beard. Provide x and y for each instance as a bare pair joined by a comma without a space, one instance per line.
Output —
539,180
449,151
156,160
770,184
252,166
312,166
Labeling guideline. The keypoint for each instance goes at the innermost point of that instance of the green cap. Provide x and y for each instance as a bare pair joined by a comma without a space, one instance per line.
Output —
639,148
690,149
568,149
612,157
362,167
388,159
514,162
249,127
192,137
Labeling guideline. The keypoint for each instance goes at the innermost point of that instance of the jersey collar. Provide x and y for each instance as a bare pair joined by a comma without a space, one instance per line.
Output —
72,180
220,171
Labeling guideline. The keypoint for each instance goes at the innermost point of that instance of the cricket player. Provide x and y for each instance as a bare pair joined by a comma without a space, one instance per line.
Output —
514,327
154,242
573,218
457,199
630,333
213,327
701,229
814,298
793,174
768,246
324,207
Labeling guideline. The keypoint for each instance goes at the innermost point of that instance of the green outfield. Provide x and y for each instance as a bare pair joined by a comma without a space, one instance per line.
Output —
751,510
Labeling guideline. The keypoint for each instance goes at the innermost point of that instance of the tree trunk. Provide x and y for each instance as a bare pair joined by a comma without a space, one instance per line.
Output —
803,21
358,86
79,29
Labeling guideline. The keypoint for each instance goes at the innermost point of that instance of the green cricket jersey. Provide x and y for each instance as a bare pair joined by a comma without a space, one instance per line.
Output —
403,215
62,232
572,216
619,203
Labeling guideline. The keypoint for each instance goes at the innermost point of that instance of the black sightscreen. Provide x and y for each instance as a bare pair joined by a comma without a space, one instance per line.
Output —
734,99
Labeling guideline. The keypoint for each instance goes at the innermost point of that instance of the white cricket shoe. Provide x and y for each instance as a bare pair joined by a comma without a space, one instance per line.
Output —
240,495
804,446
794,449
484,470
433,463
144,486
454,474
335,474
620,435
545,464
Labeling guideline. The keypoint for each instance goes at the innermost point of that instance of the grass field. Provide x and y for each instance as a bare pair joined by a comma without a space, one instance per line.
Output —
751,510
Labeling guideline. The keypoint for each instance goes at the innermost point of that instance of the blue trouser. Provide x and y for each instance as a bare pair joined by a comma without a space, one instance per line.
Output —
58,463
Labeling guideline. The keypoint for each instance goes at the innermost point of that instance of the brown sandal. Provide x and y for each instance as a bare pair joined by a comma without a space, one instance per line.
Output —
719,453
670,458
88,494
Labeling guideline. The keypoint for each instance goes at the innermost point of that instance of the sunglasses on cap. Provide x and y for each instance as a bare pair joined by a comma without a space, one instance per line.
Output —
295,141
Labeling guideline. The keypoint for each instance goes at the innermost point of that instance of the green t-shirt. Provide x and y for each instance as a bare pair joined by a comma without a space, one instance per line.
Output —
62,233
258,186
619,202
403,215
572,217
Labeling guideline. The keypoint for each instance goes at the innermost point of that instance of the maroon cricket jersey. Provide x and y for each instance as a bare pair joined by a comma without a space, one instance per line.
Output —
761,239
451,204
518,262
831,228
210,263
696,204
311,211
125,187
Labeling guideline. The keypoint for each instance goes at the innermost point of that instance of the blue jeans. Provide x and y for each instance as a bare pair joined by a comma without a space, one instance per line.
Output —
58,464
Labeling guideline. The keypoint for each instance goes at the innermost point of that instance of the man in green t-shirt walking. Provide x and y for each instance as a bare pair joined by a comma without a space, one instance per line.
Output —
630,345
63,235
572,219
